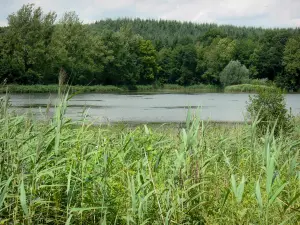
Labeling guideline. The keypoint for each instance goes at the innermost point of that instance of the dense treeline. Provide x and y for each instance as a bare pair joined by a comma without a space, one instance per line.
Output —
36,46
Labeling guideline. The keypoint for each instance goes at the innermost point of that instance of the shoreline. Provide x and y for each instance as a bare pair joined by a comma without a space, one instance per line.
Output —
141,89
168,88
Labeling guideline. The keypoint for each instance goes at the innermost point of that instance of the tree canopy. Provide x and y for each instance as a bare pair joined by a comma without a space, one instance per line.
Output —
35,46
234,73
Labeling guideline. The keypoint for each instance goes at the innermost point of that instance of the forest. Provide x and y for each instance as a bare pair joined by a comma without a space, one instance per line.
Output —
36,46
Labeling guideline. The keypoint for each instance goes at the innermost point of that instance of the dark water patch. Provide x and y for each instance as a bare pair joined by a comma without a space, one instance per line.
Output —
182,107
90,106
32,106
69,106
79,100
135,96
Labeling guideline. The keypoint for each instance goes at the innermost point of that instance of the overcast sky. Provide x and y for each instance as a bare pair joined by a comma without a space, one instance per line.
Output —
265,13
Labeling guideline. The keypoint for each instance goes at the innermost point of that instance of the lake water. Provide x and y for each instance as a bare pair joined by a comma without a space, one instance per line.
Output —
145,108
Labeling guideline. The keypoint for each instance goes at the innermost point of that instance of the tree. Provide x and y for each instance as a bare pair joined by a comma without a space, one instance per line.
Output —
183,65
270,54
147,62
234,73
165,65
25,45
291,63
246,53
253,62
215,57
270,109
75,49
34,48
123,67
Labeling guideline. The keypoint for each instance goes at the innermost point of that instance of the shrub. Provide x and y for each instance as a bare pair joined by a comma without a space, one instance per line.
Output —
269,107
234,73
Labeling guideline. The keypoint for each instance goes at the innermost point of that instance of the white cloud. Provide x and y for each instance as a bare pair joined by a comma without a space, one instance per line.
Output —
268,13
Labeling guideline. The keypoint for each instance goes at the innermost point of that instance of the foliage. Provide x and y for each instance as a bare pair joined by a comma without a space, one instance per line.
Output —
183,65
35,47
269,108
213,58
59,172
147,62
234,73
25,45
291,61
75,49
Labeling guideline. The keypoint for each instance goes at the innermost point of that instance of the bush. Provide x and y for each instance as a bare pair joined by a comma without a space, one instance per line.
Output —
270,109
234,73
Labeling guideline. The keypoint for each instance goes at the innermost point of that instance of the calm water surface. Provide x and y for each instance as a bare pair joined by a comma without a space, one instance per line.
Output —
145,108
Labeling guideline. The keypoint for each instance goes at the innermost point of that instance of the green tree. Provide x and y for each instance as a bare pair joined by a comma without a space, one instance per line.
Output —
122,67
246,53
165,65
291,62
215,57
234,73
270,54
33,49
75,49
26,42
147,62
183,65
253,62
270,109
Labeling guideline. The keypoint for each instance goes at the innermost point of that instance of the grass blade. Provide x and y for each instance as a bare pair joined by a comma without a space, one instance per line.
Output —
4,191
291,202
277,192
258,194
69,220
23,198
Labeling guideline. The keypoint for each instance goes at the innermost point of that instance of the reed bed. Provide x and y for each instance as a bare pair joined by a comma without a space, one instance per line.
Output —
59,172
13,88
54,89
249,88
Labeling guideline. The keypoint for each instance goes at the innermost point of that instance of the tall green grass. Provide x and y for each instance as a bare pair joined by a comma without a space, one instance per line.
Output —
106,88
247,88
192,88
54,89
57,172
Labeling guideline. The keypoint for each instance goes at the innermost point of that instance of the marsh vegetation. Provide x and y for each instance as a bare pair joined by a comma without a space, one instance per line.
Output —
62,172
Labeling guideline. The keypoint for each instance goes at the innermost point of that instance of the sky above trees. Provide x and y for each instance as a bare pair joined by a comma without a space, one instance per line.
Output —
265,13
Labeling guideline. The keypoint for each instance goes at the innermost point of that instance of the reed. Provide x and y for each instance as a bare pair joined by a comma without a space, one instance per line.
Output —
13,88
249,88
59,172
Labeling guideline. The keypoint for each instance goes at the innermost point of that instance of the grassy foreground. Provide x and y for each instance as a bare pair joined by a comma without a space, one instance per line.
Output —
57,173
173,88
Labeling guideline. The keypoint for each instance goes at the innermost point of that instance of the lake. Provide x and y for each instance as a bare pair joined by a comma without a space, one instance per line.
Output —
145,107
